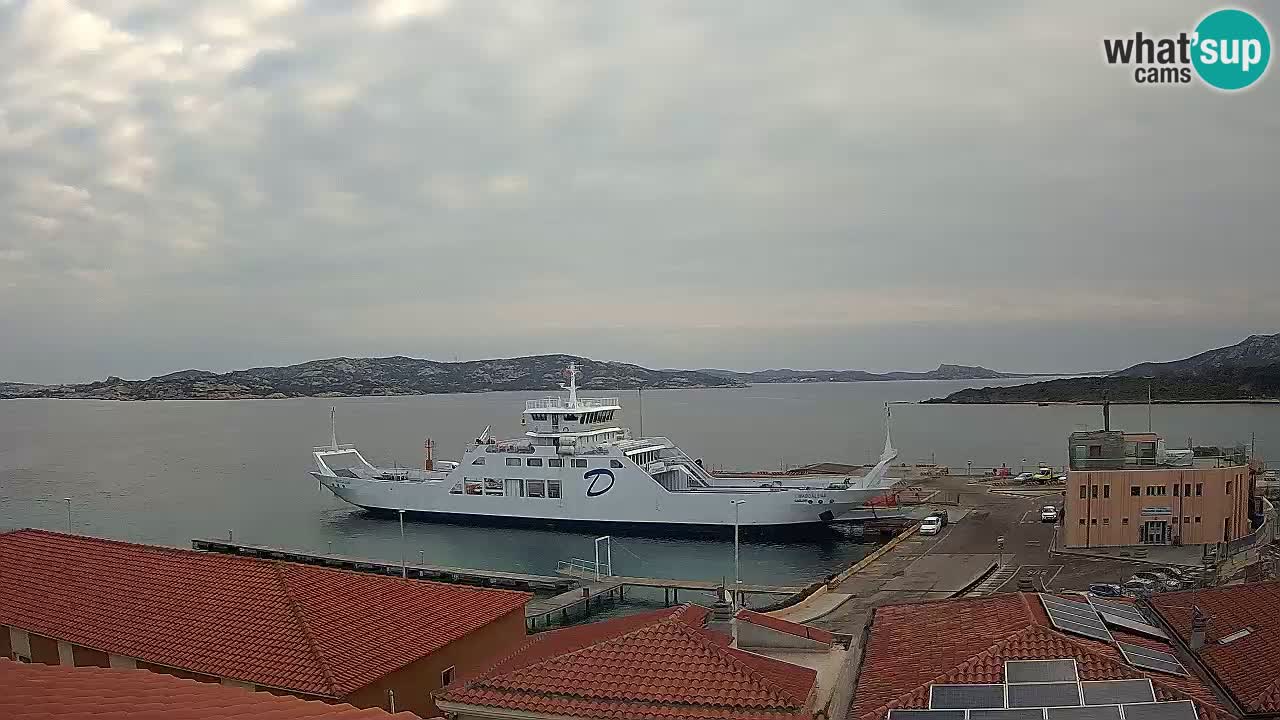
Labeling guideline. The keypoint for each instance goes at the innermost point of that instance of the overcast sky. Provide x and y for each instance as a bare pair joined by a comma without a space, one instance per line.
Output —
222,184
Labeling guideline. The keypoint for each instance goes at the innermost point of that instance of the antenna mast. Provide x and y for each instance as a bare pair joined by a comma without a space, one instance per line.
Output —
333,428
573,385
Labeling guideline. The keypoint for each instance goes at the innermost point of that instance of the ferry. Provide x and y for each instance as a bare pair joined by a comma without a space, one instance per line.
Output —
575,467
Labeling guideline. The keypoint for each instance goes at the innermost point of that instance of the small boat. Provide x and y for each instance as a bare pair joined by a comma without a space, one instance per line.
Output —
575,467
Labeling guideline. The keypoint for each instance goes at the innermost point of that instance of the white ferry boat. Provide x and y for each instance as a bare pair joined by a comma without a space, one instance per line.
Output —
575,467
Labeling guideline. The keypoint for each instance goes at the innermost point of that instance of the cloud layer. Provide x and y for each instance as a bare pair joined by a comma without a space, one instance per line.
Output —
220,184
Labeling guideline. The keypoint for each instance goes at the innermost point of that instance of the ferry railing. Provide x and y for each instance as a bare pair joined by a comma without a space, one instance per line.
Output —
563,403
345,447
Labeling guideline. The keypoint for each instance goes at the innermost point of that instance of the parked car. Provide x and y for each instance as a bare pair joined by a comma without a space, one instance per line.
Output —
1140,586
1186,576
1106,590
1049,513
941,514
1043,476
1164,582
1024,477
931,525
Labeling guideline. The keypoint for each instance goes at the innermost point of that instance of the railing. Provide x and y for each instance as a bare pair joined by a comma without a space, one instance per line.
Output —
563,403
577,567
345,447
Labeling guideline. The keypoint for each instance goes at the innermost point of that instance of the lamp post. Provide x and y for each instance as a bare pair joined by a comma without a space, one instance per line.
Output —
737,578
970,472
404,570
68,501
1148,403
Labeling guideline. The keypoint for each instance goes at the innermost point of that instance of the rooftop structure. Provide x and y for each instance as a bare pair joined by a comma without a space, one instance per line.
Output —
916,655
311,631
48,692
674,663
1234,634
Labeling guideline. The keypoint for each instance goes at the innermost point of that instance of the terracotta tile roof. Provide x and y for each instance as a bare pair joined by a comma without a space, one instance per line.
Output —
55,692
1248,667
786,626
301,628
967,641
659,665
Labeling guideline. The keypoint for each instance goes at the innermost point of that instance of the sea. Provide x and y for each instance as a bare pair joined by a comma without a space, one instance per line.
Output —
169,471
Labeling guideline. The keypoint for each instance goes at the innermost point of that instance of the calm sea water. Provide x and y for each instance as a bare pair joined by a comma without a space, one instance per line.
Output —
165,472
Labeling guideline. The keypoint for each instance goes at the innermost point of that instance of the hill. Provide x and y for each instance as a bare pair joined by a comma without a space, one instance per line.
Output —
943,372
337,377
1246,371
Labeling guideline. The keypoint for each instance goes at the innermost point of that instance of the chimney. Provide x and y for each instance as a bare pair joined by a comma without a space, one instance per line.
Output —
721,619
1106,412
428,463
1199,626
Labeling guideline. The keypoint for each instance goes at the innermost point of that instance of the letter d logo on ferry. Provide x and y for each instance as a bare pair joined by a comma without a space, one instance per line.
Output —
601,481
1229,49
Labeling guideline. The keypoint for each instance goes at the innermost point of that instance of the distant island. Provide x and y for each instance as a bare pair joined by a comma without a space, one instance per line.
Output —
1248,371
342,377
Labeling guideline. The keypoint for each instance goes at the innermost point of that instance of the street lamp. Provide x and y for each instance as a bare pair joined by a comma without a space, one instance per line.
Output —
68,501
970,472
737,578
404,570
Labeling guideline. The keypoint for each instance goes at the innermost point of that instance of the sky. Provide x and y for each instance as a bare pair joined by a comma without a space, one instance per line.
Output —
220,184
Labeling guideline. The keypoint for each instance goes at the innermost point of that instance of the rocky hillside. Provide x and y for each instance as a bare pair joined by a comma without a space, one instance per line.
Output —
382,376
1246,371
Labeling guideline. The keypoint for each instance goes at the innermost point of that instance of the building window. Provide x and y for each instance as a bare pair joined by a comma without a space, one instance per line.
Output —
1124,521
1197,519
1186,490
1081,521
478,461
1186,519
1199,489
1228,487
615,464
553,488
1082,492
1093,521
579,463
513,462
1175,519
555,462
446,677
1093,491
1175,489
1135,491
533,462
1095,451
1106,521
1106,491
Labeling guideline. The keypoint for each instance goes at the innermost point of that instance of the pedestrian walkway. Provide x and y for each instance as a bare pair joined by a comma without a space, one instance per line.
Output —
1003,574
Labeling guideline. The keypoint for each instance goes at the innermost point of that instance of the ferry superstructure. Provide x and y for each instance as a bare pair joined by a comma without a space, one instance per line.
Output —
575,466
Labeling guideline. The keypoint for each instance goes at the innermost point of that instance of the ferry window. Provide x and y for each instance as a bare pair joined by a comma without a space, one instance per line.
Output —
514,488
1199,491
492,486
472,486
446,676
514,462
456,489
553,488
535,488
570,418
615,464
478,461
1095,451
579,463
555,462
1135,491
533,462
539,416
1106,491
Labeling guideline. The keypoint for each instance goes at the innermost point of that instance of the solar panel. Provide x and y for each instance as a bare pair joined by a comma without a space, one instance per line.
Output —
1117,608
1097,712
1114,692
1024,671
1074,613
1008,714
1180,710
1026,695
1141,628
948,697
926,715
1149,659
1076,618
1080,605
1089,631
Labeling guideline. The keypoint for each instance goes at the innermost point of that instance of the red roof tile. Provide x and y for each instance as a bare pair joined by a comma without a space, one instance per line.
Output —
786,626
968,641
301,628
659,665
1247,667
55,692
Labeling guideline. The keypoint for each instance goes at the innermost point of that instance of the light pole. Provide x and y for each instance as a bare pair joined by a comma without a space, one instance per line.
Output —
1148,403
737,578
68,500
404,570
970,472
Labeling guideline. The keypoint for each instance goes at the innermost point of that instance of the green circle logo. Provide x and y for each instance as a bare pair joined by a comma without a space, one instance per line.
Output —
1232,49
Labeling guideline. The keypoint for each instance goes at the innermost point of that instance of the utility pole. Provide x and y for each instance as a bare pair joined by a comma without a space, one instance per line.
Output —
737,577
640,406
1148,403
68,500
404,569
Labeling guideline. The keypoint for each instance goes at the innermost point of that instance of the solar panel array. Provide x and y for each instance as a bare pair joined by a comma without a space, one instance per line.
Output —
1048,690
1078,618
1128,617
1148,659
